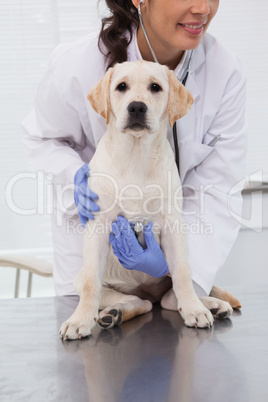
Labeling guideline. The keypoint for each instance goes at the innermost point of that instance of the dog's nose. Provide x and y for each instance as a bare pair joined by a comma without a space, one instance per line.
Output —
137,109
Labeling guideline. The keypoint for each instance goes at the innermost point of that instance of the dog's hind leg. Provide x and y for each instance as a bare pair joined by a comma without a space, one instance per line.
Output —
169,301
118,307
218,308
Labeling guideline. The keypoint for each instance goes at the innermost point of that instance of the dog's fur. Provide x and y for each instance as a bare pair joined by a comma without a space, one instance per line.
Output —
132,162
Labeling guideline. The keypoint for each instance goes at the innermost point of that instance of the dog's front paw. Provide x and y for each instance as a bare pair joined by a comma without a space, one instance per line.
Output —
197,316
76,329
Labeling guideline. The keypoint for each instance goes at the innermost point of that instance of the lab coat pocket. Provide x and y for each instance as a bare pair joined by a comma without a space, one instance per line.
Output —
191,155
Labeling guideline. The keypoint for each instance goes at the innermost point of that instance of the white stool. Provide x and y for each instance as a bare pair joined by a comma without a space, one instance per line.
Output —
29,263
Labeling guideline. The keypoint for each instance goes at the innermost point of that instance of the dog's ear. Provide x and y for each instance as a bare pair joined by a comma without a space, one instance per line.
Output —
180,99
99,96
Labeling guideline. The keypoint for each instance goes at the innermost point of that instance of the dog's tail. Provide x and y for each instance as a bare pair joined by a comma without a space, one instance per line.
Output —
225,296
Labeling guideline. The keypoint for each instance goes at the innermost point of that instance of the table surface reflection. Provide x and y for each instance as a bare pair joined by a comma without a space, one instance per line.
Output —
153,357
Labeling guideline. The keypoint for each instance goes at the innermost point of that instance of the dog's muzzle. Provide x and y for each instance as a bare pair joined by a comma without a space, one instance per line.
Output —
137,116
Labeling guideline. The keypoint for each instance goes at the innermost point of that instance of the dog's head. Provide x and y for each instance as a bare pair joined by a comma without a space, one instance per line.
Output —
138,96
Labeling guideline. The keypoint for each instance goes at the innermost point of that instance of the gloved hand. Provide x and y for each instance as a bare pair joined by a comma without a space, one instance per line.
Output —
83,197
131,255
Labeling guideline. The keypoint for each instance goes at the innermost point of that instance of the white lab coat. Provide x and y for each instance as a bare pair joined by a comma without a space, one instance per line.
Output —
62,132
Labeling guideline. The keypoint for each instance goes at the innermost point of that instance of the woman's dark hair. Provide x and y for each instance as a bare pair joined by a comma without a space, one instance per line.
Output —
113,37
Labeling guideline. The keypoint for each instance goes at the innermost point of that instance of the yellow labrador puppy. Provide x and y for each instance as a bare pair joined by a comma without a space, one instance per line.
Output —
133,171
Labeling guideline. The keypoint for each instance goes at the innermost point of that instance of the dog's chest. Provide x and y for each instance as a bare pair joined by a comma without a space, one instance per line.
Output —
142,182
141,198
129,195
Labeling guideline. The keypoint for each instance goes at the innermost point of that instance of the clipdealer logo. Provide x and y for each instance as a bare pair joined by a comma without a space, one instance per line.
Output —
51,196
178,226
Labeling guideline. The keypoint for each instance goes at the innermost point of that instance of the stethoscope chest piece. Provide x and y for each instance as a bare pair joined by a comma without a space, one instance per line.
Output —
137,224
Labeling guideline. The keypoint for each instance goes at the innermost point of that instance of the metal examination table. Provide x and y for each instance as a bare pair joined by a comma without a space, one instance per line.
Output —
152,358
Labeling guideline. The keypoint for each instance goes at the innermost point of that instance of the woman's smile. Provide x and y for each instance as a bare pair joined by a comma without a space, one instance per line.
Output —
193,28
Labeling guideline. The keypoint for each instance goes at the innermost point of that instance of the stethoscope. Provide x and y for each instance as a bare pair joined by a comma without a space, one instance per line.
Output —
183,81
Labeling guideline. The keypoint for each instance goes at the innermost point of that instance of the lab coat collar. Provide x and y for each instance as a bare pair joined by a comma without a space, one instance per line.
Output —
198,58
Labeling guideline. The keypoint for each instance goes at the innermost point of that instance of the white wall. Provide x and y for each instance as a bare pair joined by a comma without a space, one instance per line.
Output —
242,26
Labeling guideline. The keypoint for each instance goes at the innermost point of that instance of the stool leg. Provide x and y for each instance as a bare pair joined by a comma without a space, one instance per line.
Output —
17,284
29,287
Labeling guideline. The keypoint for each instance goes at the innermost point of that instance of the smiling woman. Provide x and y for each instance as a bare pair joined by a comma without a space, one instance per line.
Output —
172,27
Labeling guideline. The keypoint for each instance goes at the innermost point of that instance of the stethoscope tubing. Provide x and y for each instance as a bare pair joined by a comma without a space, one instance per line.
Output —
184,80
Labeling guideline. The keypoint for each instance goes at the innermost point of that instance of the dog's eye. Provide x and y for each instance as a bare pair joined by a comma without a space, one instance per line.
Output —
122,87
155,87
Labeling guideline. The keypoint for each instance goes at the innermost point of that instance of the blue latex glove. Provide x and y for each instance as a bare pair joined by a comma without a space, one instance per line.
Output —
84,198
131,255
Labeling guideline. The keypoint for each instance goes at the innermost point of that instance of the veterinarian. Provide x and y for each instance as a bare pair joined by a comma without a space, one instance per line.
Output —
62,131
